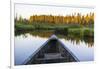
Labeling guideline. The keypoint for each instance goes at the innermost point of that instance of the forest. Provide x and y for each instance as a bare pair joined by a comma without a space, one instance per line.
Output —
68,19
74,23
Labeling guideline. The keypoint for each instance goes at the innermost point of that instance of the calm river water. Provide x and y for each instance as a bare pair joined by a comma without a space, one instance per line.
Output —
27,43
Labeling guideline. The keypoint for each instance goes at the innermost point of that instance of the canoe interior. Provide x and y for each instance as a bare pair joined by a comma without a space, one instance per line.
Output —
53,51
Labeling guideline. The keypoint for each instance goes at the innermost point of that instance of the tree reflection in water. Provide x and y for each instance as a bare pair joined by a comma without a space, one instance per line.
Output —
75,39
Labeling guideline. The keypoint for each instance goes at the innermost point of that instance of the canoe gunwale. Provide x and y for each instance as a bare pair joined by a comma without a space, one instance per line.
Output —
36,52
30,57
69,51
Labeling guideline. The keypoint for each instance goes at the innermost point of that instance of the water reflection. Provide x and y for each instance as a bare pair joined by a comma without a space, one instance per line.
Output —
46,34
26,43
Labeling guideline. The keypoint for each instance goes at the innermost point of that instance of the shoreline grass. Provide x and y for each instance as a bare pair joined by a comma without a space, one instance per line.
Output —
70,29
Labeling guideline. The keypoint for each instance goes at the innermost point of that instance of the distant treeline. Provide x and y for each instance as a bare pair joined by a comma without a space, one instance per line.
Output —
68,19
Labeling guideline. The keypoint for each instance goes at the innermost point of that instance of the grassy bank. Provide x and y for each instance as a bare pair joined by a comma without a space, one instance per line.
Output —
76,30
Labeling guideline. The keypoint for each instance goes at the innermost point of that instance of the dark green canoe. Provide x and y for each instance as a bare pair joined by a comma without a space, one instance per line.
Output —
52,51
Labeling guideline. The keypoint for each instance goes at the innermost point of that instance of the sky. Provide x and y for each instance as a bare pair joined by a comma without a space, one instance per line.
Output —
27,10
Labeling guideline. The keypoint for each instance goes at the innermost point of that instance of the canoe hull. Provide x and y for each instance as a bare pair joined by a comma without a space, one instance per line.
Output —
52,51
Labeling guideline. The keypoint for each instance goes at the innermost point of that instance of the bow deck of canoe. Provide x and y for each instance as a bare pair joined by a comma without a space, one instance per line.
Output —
52,51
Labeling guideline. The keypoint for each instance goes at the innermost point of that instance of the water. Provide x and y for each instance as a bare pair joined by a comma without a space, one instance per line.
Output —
27,43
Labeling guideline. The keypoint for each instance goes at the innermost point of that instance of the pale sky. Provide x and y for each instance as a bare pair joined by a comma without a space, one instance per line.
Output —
26,10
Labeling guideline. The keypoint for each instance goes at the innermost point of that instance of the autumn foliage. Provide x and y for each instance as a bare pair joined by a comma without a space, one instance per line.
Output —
68,19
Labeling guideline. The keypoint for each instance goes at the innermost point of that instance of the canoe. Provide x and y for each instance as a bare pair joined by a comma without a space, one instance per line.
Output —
52,51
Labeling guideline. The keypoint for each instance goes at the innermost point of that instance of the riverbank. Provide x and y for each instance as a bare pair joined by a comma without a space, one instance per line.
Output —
63,29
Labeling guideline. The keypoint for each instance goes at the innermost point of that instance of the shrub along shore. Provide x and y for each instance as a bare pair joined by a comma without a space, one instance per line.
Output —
64,29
